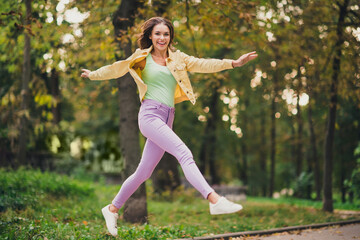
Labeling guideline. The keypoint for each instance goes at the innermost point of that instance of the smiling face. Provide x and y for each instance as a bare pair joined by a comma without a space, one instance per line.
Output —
160,37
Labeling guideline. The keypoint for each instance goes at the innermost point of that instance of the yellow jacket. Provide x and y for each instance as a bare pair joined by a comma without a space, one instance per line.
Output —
178,63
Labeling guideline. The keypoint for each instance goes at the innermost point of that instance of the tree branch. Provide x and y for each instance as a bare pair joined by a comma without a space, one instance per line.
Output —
355,14
328,59
189,27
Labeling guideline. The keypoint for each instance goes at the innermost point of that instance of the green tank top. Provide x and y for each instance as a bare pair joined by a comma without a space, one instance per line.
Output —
160,82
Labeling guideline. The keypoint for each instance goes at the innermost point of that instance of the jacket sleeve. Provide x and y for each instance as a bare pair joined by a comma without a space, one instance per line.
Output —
115,70
202,65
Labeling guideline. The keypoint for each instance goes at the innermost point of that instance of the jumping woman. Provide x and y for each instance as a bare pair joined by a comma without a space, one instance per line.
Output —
162,80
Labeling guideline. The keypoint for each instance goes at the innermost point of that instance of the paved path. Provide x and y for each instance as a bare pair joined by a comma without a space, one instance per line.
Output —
346,232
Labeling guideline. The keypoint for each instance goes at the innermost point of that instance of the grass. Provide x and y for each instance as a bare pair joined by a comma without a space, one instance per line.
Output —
310,203
78,216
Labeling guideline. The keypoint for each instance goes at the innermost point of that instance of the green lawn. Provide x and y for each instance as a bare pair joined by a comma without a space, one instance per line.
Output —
61,216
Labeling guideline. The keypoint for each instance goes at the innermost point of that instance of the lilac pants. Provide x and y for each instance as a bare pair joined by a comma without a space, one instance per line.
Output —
155,123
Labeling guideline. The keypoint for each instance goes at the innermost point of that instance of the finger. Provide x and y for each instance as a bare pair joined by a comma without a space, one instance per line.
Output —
250,53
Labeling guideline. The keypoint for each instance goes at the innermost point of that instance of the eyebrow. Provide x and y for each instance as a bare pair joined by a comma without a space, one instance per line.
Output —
160,31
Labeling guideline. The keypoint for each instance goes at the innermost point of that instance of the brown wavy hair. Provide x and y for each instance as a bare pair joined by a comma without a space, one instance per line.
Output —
144,40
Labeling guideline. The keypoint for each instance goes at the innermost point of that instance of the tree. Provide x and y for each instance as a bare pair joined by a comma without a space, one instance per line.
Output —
26,75
329,141
135,209
313,149
166,175
208,146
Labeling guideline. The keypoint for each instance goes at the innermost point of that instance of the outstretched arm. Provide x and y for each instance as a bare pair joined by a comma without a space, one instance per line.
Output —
201,65
244,59
113,71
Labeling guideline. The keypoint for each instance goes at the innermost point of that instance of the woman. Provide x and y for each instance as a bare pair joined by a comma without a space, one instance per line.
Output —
162,80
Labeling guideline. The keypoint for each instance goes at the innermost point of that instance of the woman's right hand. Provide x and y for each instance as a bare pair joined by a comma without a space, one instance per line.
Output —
85,73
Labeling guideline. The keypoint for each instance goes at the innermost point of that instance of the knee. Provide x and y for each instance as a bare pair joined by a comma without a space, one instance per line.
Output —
184,156
142,176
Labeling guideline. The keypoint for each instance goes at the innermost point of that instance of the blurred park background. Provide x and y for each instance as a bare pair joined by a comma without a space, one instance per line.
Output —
285,126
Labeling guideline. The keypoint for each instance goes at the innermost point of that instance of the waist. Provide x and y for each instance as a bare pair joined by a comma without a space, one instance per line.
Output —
159,105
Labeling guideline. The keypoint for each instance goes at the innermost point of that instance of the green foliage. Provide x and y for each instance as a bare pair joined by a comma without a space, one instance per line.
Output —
354,182
298,58
302,184
22,188
68,217
304,203
179,195
152,232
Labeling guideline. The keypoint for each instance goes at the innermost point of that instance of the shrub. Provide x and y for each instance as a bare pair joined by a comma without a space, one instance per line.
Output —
21,188
302,184
353,184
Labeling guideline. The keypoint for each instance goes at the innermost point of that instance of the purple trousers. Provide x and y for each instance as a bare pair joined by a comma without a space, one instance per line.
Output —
155,123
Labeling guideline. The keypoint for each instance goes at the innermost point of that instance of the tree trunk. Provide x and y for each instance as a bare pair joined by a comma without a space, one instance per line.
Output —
244,170
293,146
299,155
135,209
166,175
244,176
272,144
187,8
26,75
208,147
203,155
211,134
343,188
275,89
314,158
309,187
55,93
329,140
263,155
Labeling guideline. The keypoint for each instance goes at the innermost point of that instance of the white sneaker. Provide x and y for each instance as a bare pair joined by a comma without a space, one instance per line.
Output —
111,220
224,206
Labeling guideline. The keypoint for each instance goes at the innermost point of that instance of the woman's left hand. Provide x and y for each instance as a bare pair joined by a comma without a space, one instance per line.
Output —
244,59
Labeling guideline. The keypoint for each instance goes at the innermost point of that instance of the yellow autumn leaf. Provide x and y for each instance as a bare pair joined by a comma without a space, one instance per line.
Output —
114,90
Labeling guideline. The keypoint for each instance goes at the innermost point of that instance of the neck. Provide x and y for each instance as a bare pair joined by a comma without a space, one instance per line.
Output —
158,53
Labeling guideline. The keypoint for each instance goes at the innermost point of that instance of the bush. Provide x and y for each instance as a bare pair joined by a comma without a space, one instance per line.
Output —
302,185
353,184
21,188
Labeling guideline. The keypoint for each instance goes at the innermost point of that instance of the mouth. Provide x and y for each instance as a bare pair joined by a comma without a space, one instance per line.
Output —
162,44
